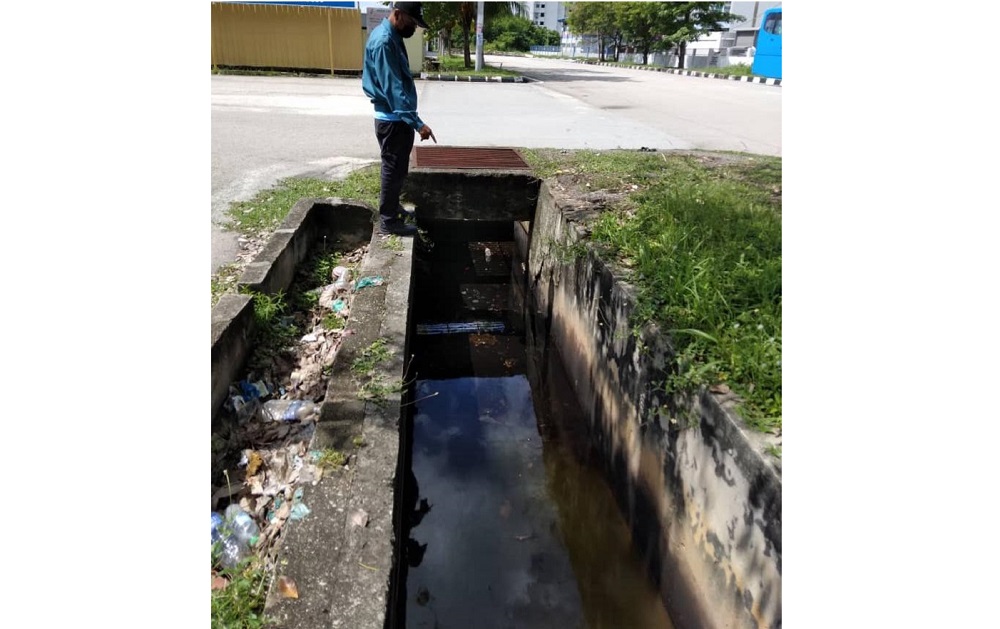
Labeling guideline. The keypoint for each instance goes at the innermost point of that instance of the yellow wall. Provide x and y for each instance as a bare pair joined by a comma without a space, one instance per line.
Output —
283,36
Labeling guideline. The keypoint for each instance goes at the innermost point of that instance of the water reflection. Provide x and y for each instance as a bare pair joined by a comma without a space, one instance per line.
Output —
493,556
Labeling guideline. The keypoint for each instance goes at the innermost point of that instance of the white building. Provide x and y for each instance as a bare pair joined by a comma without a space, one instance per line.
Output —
550,15
739,36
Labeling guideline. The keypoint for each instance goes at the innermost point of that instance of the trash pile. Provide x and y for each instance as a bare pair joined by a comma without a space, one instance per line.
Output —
261,457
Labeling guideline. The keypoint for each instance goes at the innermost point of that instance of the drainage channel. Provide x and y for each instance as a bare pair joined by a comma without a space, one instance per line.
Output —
506,515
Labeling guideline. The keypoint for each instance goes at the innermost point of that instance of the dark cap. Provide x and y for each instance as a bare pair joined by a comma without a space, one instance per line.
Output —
414,10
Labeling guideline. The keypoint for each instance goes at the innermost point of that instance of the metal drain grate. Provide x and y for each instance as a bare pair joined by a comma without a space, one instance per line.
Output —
450,158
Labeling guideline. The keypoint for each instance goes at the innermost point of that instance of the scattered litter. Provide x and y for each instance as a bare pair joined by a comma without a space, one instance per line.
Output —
253,390
274,408
287,588
423,596
288,410
358,518
254,461
461,328
327,295
299,511
364,282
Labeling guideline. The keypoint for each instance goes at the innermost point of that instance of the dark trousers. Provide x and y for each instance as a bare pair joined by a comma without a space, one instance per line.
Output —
396,142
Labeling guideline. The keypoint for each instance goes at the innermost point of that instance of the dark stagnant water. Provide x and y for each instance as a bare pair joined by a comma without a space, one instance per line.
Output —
508,519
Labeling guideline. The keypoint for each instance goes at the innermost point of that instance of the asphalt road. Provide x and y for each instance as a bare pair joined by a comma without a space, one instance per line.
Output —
268,128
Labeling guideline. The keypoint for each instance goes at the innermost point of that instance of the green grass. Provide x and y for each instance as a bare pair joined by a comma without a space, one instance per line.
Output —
370,358
393,243
330,459
333,321
373,386
455,64
267,209
700,238
738,69
241,604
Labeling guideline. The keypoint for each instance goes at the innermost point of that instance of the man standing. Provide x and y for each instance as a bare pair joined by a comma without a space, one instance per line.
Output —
387,81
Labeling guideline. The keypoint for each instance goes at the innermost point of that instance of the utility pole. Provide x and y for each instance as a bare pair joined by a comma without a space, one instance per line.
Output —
479,37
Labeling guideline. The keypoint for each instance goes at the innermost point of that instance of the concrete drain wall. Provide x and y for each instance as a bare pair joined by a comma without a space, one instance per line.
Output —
701,498
341,556
702,501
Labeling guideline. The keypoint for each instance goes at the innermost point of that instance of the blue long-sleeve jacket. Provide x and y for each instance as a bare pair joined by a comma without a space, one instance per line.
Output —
386,78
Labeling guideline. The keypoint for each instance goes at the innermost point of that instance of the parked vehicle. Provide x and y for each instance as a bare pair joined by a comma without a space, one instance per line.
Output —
767,60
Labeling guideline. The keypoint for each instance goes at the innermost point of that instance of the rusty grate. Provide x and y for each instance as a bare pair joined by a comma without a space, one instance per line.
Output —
450,157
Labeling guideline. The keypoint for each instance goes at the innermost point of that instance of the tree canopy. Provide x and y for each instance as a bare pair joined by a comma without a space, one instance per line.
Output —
445,16
648,26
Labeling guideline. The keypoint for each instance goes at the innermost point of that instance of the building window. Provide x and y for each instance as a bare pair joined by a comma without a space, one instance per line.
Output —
543,15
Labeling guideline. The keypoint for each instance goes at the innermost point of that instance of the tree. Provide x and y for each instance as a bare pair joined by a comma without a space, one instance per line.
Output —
645,25
514,32
442,19
694,19
594,18
467,17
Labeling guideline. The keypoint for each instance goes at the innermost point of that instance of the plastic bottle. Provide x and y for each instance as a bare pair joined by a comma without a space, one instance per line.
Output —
227,546
232,551
217,523
343,283
288,410
242,525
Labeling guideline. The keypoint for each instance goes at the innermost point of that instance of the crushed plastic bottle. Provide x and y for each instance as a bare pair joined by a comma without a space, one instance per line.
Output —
232,551
217,523
242,525
288,410
228,548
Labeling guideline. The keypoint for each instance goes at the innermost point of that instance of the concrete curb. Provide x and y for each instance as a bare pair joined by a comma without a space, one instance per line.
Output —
696,73
342,557
428,76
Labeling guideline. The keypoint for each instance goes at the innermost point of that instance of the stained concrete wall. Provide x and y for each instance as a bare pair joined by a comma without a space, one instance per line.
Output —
472,195
703,502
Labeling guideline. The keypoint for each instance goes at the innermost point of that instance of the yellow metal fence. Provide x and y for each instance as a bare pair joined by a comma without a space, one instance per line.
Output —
284,36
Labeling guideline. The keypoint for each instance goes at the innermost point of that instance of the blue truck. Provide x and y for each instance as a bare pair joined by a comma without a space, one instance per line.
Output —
767,59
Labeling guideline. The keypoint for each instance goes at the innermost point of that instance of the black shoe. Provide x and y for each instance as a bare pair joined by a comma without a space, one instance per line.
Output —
398,228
